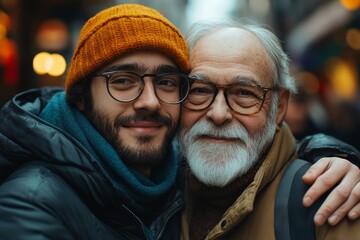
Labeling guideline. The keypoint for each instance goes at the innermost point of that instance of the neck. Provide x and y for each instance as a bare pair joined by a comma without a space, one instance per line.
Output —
144,171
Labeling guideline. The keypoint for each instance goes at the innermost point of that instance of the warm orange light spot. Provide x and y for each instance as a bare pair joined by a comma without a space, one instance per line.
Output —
4,24
343,77
353,38
7,48
41,63
52,64
308,82
52,34
351,5
5,20
58,65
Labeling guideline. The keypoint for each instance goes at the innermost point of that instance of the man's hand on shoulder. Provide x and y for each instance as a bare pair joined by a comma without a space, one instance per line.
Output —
344,199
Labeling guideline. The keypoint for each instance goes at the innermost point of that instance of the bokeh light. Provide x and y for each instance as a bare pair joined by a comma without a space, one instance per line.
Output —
52,64
343,77
353,38
351,4
308,82
4,24
52,34
39,63
58,65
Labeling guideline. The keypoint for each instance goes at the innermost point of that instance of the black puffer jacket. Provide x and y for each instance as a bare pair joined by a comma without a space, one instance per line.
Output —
51,188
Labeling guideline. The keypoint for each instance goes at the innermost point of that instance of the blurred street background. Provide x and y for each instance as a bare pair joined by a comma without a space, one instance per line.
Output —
322,38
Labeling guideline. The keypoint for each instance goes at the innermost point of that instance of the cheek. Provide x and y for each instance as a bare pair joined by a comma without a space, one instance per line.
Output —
253,123
104,104
99,95
173,111
189,117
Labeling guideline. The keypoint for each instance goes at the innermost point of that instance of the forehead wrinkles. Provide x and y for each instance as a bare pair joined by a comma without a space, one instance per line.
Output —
232,48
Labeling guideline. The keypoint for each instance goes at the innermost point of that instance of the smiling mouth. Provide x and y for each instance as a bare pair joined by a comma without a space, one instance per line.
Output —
144,127
143,124
216,139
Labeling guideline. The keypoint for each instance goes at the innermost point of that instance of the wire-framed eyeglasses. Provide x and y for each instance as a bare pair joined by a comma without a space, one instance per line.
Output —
243,98
126,86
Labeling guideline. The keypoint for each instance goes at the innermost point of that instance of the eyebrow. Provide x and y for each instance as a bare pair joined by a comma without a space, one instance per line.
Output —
246,80
199,76
236,79
142,69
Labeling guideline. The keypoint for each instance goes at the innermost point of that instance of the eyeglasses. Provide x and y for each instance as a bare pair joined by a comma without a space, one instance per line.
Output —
127,86
242,98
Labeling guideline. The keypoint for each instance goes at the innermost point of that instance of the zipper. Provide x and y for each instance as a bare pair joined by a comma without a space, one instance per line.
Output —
173,212
136,217
166,221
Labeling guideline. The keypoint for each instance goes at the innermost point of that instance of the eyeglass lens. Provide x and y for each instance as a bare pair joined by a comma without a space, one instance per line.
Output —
242,98
127,86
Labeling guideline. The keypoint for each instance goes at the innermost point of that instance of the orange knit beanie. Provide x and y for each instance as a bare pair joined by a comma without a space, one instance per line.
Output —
120,30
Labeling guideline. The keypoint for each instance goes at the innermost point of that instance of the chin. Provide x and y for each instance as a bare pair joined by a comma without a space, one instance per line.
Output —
218,167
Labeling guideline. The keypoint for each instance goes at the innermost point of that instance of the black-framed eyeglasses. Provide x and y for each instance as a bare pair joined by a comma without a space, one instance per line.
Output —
125,86
243,98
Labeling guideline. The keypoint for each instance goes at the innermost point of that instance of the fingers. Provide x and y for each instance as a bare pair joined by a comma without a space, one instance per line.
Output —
316,170
324,174
343,198
335,200
351,207
355,212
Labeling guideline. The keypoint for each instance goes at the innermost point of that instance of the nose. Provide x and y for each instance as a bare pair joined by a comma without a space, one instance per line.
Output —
219,111
147,100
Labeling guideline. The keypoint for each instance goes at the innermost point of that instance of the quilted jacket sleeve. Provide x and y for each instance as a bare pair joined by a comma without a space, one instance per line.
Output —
316,146
36,204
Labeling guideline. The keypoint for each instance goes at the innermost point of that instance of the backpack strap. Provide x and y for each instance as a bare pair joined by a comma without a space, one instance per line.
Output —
292,220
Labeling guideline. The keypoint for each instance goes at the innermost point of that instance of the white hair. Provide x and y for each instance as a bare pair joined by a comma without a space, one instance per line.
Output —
271,43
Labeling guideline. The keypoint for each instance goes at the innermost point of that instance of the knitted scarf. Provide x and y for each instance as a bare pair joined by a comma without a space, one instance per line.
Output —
144,191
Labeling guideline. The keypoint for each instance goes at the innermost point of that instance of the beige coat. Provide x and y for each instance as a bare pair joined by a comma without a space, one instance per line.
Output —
251,217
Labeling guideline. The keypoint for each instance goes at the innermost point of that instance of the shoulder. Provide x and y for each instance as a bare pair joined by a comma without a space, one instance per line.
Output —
35,187
33,182
34,200
346,229
288,204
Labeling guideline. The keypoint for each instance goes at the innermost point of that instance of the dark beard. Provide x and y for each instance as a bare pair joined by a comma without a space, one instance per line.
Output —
147,156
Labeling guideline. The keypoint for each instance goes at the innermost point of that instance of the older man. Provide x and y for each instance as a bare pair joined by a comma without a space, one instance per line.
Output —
233,135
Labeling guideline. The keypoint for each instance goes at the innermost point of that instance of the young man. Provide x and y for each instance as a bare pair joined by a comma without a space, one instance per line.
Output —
233,136
97,161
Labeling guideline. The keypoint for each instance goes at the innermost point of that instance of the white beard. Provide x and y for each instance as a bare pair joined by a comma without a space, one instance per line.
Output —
219,164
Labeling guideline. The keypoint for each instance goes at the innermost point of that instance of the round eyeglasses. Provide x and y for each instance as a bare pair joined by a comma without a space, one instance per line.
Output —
125,87
243,98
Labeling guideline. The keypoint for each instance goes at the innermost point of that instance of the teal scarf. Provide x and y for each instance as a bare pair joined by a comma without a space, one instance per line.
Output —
137,187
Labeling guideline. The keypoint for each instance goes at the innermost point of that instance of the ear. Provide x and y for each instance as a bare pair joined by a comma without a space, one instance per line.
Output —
282,106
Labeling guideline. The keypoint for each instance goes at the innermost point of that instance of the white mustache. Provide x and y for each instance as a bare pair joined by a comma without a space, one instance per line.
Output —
233,131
